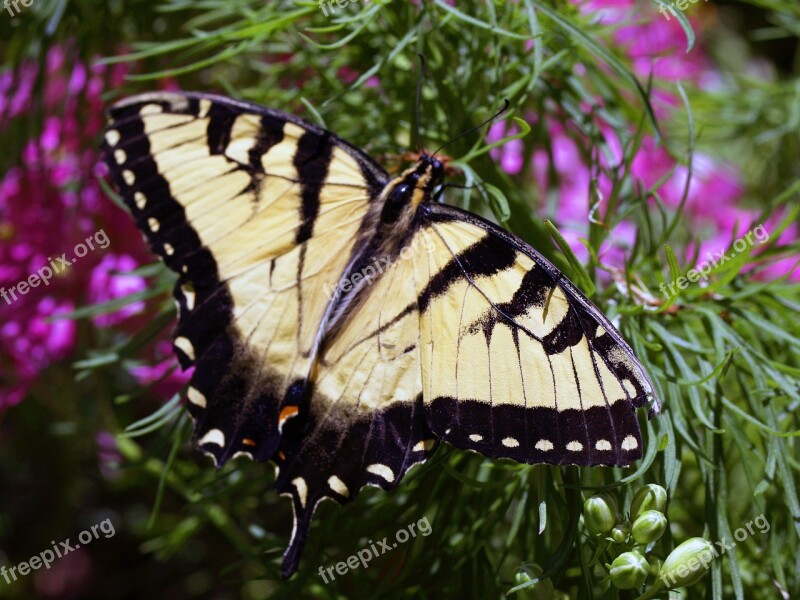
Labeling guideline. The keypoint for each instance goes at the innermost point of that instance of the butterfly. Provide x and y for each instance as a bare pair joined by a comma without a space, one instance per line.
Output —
342,323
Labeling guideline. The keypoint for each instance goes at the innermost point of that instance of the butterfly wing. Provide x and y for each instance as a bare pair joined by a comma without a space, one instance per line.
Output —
516,362
365,421
257,211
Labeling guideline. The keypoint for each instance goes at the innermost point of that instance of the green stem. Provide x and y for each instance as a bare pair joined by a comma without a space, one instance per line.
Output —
657,588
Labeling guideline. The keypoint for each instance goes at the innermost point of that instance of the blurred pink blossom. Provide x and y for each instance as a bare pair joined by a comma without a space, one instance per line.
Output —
163,372
510,153
109,283
48,205
712,211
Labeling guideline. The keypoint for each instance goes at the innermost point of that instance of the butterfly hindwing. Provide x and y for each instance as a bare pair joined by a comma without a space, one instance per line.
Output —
366,420
256,211
467,336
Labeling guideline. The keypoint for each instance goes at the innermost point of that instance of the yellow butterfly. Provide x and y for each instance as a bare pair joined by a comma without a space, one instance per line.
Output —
341,322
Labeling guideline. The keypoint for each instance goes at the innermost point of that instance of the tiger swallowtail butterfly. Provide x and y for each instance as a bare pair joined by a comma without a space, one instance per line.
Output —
342,323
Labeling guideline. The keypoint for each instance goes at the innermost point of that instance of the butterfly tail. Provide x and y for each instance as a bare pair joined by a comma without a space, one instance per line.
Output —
302,522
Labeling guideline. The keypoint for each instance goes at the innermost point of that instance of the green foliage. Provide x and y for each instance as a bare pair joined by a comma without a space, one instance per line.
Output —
725,358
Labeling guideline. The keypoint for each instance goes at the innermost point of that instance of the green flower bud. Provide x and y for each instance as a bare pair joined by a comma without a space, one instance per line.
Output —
600,513
541,590
620,532
629,570
650,497
687,563
649,526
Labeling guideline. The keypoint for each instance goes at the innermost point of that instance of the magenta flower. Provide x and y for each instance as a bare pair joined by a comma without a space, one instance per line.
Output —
654,45
108,282
49,206
509,154
788,267
164,373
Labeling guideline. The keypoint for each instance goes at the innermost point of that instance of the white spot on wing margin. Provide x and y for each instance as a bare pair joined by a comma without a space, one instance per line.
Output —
630,443
603,445
338,486
214,436
382,471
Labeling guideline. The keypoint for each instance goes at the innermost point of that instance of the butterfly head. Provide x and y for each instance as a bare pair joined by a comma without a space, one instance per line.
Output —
413,187
436,167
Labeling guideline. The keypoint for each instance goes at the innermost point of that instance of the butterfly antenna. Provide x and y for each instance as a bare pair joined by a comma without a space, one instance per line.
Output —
506,105
416,140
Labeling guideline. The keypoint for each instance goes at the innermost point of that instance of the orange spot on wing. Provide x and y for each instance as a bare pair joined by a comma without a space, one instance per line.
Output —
248,442
287,413
282,455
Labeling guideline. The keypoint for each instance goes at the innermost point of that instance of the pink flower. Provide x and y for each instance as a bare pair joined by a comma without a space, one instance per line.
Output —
48,207
509,154
788,267
108,282
615,250
164,373
108,454
653,45
573,236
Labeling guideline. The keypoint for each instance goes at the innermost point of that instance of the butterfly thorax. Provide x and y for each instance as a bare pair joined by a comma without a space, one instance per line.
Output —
404,194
